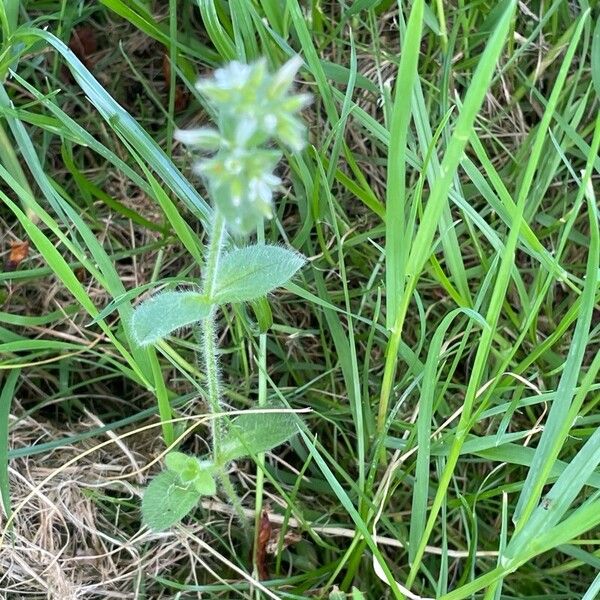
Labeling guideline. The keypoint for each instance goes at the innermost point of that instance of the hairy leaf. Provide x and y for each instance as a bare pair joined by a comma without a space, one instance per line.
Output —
205,483
177,461
164,313
167,500
253,433
251,272
192,470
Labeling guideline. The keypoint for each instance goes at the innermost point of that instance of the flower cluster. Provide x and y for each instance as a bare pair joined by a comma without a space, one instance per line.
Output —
253,107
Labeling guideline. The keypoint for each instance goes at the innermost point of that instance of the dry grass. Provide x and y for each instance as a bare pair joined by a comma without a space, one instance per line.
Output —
61,545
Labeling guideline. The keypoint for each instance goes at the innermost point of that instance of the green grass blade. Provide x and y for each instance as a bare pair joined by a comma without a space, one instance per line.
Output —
6,396
463,127
420,498
492,316
396,233
58,264
352,512
557,427
127,127
421,244
215,30
595,66
593,591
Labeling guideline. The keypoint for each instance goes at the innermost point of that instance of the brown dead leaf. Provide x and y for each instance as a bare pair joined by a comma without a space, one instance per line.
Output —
268,542
18,253
263,538
166,67
291,537
83,44
182,98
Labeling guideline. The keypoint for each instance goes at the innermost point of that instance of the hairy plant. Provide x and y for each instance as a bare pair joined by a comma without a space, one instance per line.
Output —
253,108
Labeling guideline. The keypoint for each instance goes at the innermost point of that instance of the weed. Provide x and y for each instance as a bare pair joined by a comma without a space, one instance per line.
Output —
253,107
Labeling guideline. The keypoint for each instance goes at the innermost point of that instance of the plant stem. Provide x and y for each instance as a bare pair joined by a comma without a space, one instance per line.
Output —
391,360
260,459
209,351
214,253
235,501
208,345
211,365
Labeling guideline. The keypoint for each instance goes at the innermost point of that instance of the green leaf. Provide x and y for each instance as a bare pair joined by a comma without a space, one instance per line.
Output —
254,433
166,501
251,272
336,594
193,471
396,227
177,461
165,313
205,483
595,66
7,393
263,314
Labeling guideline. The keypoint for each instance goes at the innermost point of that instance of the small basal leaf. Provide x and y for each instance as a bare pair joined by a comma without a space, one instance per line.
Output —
193,471
251,272
205,483
165,313
254,433
177,461
166,501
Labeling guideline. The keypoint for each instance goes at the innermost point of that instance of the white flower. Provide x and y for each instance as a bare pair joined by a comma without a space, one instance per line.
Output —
253,107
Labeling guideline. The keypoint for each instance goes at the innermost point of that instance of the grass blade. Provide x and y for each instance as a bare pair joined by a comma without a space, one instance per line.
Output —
6,396
396,233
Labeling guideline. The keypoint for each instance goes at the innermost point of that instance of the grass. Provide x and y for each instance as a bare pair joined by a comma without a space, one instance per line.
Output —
445,335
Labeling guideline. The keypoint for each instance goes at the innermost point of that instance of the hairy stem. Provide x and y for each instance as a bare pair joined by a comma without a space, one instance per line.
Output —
211,365
234,500
208,345
260,459
209,351
214,254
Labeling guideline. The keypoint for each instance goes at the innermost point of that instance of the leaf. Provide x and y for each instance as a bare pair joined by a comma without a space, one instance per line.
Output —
193,471
263,314
83,43
251,272
166,312
18,253
254,433
166,501
205,483
262,539
595,66
177,461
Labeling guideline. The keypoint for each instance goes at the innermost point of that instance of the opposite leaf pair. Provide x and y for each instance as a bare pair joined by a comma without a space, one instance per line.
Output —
244,274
